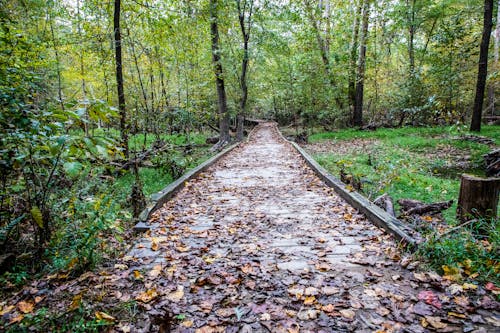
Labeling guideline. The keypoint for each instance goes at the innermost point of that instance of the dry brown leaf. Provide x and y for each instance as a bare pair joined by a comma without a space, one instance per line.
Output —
328,308
26,306
177,295
348,314
311,291
330,290
155,272
147,296
435,322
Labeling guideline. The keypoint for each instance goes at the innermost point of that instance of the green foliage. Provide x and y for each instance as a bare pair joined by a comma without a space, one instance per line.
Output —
473,248
415,163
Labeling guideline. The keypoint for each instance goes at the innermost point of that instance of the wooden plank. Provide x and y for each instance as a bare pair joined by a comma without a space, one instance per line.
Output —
374,213
158,199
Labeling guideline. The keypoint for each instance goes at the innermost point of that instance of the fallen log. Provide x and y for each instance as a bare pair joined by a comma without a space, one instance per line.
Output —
385,202
415,207
492,161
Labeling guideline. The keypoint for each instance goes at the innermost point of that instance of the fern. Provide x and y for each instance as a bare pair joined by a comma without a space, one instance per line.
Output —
6,230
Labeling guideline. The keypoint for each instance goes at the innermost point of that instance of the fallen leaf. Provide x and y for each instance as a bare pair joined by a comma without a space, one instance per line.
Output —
265,316
311,291
451,273
348,314
328,308
469,286
458,315
104,316
155,272
15,319
121,267
382,311
430,298
147,296
330,290
76,302
435,322
309,300
176,295
138,275
7,309
25,307
187,323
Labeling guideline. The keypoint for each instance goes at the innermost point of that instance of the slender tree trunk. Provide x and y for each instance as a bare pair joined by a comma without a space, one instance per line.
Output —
224,137
493,85
360,77
353,55
245,33
482,67
119,79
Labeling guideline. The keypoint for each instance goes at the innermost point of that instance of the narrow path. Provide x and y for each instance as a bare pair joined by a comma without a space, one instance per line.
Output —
258,243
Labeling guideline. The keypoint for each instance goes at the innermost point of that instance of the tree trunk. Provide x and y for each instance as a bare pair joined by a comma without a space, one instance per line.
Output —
245,32
353,55
360,76
119,79
483,67
478,197
224,137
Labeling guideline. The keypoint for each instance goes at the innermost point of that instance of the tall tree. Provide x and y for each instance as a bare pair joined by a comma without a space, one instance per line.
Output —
224,137
360,75
482,67
245,11
353,54
119,78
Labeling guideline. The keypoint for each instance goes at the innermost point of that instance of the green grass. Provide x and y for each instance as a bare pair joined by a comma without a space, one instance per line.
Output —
418,163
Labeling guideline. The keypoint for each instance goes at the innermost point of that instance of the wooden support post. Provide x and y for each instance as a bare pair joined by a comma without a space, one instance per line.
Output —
478,197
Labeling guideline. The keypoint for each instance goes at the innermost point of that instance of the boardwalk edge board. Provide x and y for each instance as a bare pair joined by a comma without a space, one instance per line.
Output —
158,199
374,213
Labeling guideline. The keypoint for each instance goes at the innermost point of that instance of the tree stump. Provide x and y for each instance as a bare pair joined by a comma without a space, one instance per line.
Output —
478,197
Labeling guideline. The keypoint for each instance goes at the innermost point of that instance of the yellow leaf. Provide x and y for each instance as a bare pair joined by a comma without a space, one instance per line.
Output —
138,275
154,245
25,307
458,315
147,296
104,316
309,300
75,303
37,216
16,318
187,323
6,310
451,273
470,286
427,218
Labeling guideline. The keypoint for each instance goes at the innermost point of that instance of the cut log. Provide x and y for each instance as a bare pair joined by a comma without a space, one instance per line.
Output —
478,197
407,204
415,207
385,202
492,161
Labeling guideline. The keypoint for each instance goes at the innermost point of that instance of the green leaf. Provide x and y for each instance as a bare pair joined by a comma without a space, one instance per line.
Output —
73,169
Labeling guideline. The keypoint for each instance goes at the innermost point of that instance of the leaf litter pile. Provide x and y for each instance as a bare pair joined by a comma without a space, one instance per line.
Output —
258,243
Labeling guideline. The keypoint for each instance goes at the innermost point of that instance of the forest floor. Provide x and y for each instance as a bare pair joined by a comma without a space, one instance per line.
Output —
257,243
